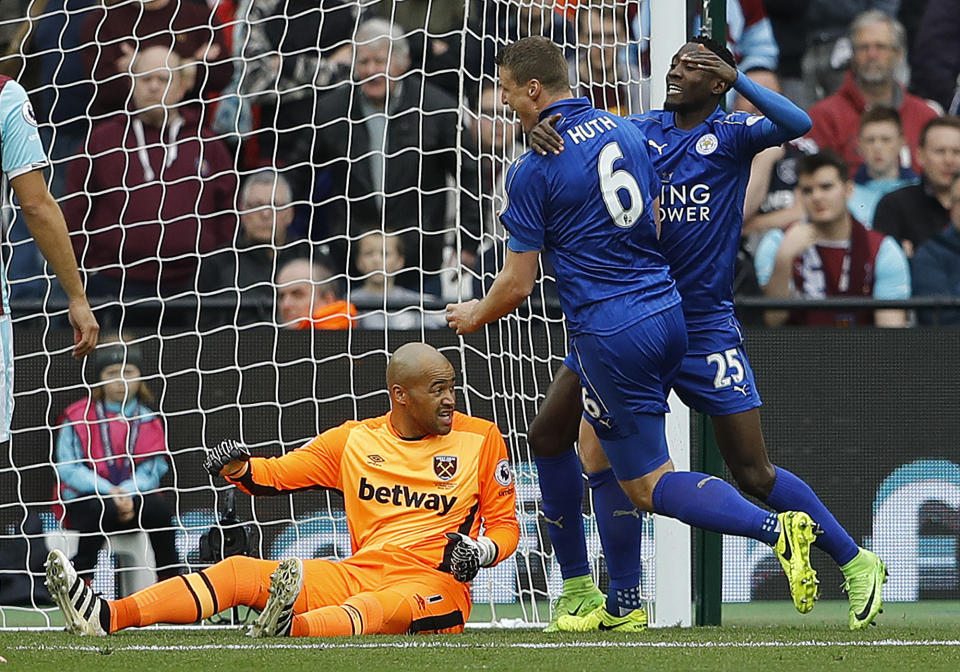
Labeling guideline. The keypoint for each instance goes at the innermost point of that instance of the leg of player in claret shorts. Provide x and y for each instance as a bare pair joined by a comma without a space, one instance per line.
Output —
6,376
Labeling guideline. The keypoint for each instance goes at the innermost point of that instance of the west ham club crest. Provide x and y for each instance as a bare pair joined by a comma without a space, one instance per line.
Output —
444,466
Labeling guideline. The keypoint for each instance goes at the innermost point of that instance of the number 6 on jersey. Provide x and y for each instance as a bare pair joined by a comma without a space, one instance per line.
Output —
611,181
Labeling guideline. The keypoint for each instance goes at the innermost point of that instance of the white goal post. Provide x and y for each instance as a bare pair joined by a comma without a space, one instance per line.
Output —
220,359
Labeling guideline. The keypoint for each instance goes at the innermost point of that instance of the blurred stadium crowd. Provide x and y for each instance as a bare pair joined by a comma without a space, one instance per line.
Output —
328,164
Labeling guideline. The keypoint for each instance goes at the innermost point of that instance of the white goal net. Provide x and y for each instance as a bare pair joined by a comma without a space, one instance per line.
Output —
243,179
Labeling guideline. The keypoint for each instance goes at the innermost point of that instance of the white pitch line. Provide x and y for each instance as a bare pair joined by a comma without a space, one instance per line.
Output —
490,645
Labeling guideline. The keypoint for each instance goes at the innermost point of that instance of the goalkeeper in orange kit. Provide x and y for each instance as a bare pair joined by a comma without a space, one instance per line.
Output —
418,483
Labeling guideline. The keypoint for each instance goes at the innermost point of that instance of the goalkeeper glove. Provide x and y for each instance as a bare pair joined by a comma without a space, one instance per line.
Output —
469,555
224,453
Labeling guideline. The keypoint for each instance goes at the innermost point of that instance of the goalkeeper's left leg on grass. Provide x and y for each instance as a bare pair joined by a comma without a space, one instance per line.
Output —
371,593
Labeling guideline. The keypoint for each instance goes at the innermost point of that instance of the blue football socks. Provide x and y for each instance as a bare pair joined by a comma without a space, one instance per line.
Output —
621,528
711,503
789,493
561,488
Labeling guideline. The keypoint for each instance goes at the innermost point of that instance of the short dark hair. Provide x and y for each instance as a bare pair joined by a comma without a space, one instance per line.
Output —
880,113
948,121
536,57
811,163
719,49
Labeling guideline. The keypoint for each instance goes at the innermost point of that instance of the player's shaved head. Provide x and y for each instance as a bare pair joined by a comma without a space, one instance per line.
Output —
422,383
413,361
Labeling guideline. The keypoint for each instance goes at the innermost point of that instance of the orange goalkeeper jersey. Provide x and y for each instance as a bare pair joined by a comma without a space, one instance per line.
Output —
404,493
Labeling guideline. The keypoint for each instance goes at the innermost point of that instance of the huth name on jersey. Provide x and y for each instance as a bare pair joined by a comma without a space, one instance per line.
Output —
590,129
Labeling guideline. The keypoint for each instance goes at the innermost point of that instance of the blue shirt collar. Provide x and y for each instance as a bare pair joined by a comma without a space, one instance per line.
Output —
668,121
562,106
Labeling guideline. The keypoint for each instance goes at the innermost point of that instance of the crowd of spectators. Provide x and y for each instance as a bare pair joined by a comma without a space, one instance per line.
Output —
332,164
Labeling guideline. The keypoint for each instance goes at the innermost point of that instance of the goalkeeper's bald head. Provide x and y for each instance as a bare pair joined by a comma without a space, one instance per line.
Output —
423,397
412,362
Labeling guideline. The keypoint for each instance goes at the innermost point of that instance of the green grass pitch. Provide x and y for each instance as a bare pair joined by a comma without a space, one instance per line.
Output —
760,636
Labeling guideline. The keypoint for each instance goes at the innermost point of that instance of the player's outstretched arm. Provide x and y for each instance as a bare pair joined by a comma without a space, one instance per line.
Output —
48,228
228,458
513,284
313,465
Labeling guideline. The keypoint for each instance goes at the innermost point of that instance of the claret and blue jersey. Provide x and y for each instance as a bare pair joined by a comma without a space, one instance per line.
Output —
590,210
20,148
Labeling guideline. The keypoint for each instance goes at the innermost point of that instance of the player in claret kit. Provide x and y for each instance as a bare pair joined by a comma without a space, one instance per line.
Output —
22,161
418,483
592,210
702,157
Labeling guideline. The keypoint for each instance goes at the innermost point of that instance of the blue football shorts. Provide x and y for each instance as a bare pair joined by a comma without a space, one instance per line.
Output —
625,379
716,377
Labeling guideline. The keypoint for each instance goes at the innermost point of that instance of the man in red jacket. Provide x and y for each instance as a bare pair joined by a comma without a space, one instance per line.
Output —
878,48
152,191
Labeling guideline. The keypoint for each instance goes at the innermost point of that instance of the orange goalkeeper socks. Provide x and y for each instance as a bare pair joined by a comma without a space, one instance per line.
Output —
172,601
193,597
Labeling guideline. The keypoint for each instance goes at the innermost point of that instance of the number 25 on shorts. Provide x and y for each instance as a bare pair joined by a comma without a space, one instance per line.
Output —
727,362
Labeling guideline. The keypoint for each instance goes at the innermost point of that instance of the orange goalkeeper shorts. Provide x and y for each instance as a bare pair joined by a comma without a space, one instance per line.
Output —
438,602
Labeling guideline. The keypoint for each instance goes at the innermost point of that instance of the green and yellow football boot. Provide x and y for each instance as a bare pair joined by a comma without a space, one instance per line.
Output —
580,596
865,576
797,533
600,620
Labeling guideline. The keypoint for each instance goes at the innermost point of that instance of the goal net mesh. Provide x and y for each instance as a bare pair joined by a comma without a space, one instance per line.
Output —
199,151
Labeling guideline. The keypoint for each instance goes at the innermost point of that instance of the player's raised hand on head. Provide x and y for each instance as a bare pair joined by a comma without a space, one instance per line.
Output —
706,60
544,137
228,458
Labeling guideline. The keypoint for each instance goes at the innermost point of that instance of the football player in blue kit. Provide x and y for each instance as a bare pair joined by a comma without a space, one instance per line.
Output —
702,157
593,212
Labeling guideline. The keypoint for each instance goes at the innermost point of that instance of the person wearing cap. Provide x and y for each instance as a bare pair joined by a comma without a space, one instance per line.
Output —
111,453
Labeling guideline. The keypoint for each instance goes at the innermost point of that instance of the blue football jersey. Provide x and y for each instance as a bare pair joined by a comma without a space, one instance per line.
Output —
590,210
703,175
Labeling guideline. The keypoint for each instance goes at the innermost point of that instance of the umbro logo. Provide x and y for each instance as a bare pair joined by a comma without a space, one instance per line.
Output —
375,460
